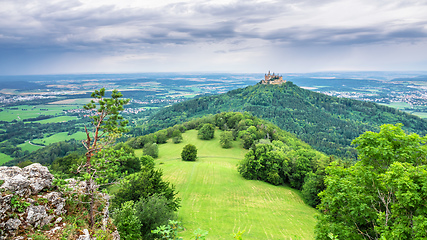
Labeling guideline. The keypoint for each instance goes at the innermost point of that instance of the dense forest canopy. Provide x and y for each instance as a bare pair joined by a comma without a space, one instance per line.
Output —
329,124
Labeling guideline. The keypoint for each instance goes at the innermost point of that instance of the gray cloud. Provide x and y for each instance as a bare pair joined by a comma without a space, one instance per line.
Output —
49,28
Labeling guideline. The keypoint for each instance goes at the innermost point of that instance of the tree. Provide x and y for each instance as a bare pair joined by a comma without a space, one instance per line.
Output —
107,126
151,149
226,139
206,132
189,153
176,136
383,195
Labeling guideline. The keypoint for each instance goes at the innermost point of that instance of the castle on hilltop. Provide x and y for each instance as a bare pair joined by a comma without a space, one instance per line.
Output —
272,79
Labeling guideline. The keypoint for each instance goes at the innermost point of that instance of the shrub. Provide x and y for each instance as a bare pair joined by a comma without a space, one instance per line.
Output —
189,153
127,223
143,184
153,212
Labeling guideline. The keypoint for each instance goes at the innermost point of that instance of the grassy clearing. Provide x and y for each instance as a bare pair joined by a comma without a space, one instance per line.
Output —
62,136
398,105
27,146
25,111
217,199
420,114
75,101
58,119
4,158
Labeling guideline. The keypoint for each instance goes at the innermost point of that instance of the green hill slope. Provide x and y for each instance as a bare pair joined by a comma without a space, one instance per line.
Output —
216,198
329,124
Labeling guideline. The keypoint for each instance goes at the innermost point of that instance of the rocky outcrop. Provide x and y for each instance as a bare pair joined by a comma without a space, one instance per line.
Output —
26,181
25,201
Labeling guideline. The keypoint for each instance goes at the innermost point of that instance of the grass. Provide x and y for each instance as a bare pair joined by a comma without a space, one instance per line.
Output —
27,146
25,111
62,136
4,158
399,105
217,199
58,119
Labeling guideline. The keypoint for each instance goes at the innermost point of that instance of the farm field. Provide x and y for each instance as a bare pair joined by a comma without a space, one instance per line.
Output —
4,158
27,146
217,199
22,112
62,136
58,119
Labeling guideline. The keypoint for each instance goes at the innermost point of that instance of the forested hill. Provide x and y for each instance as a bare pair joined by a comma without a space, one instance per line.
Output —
329,124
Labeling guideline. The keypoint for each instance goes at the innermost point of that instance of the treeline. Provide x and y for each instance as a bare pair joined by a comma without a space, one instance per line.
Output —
48,154
18,132
329,124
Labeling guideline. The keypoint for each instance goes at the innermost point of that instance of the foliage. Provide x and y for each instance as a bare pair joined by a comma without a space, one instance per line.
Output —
239,235
206,132
225,139
169,231
200,234
189,153
381,197
177,136
127,223
18,204
128,161
144,184
147,161
151,149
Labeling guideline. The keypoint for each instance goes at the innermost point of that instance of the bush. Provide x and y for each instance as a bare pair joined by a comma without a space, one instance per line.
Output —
147,161
189,153
153,212
127,223
143,184
206,132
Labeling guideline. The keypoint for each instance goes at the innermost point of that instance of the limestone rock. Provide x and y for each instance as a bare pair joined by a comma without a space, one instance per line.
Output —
12,224
36,215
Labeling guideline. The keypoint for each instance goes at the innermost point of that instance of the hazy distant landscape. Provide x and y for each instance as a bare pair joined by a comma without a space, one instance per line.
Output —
58,99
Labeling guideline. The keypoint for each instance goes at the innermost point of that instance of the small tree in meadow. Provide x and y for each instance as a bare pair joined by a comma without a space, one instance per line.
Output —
189,153
206,132
225,139
176,136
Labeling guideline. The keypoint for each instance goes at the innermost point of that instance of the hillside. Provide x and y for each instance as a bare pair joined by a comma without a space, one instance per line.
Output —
329,124
216,198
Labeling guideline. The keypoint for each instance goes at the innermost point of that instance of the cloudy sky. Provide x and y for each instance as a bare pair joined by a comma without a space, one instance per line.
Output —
108,36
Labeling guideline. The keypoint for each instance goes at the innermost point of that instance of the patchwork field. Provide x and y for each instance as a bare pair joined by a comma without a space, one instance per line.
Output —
217,199
30,147
62,136
4,158
22,112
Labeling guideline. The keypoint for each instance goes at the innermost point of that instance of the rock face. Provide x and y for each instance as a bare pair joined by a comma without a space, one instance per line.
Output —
26,181
23,203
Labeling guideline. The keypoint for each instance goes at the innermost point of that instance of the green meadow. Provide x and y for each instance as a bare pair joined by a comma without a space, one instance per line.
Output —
62,136
25,111
217,199
30,147
4,158
58,119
